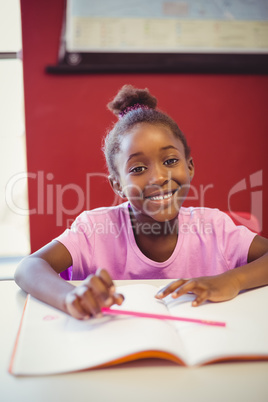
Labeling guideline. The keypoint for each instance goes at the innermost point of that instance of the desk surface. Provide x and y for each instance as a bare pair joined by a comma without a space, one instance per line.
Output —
147,380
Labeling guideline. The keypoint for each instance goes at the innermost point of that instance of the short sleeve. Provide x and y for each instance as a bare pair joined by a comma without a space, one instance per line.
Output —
79,241
234,241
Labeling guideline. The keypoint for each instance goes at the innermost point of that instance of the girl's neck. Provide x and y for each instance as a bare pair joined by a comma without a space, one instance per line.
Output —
147,226
156,240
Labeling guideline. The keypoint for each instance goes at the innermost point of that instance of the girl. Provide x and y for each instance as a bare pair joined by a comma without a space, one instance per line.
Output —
151,236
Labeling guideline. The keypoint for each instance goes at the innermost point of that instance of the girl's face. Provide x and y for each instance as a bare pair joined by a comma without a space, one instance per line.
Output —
153,172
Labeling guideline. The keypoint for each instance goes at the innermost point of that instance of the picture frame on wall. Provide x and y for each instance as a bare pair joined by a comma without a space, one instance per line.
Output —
207,36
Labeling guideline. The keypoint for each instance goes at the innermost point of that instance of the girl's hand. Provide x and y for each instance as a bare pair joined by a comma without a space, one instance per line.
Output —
95,291
213,288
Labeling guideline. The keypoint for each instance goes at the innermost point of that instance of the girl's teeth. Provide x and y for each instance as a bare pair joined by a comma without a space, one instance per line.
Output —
161,197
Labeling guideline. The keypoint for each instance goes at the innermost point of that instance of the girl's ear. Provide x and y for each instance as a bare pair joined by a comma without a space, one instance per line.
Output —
116,186
190,163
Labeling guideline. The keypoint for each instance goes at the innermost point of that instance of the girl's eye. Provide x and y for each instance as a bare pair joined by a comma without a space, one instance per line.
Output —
138,169
169,162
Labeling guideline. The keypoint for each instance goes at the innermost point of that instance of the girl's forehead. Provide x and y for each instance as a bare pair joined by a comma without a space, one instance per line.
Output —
143,136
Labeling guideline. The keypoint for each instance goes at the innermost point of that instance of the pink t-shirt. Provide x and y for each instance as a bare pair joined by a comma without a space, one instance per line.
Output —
209,243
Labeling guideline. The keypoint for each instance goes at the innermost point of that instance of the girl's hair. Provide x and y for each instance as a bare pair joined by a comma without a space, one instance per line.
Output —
134,106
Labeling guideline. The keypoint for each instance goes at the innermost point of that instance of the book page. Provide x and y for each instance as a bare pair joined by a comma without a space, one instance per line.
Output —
245,334
50,341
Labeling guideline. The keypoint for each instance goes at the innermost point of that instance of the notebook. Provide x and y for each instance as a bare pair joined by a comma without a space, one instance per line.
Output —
50,342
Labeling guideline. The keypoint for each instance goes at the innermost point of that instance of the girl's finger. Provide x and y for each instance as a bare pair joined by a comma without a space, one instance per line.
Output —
200,299
105,277
187,287
89,303
170,288
118,298
103,289
99,291
74,307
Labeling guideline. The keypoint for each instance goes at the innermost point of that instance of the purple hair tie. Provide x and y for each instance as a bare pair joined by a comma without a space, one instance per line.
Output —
130,108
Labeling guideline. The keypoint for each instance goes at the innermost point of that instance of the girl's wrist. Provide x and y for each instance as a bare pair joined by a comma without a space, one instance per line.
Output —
243,276
239,279
236,278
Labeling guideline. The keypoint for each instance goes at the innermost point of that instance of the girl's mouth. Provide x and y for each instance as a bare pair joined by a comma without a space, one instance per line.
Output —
161,197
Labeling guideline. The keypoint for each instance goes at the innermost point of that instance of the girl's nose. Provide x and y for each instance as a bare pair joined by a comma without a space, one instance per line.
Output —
159,175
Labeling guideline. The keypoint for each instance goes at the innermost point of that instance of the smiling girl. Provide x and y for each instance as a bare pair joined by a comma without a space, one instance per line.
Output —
151,235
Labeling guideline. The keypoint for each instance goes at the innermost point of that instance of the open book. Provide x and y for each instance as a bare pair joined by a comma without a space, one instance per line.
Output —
49,341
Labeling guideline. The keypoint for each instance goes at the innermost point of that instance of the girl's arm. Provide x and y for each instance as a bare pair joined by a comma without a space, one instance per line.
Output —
38,274
227,285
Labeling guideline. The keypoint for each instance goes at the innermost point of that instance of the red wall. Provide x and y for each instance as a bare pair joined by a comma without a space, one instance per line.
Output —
223,116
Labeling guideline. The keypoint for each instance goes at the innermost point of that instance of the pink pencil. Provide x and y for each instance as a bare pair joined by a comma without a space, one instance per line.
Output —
107,310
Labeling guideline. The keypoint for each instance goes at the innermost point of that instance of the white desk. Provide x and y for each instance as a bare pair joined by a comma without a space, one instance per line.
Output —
148,380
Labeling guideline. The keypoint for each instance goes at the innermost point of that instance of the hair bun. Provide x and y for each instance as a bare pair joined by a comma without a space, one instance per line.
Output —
129,96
